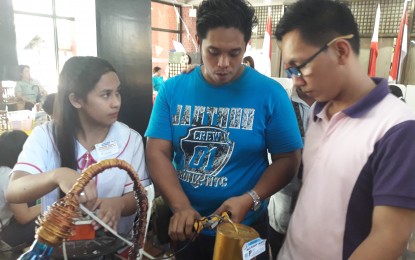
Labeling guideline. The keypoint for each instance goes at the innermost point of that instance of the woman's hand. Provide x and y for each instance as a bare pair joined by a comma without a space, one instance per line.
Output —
109,211
66,179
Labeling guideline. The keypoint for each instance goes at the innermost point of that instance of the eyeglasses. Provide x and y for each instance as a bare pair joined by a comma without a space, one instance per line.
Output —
296,70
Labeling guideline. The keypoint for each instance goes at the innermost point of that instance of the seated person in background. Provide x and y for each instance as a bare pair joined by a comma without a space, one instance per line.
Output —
397,92
28,89
248,60
17,224
84,130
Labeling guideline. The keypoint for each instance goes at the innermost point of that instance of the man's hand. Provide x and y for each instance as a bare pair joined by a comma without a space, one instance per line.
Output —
181,224
237,206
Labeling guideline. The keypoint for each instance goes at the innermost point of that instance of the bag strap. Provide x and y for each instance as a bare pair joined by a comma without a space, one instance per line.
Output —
299,117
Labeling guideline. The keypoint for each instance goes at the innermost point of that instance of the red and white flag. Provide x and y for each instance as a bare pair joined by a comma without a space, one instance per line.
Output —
374,45
266,46
401,48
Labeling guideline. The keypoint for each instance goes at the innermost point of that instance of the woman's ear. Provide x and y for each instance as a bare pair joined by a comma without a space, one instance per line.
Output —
75,101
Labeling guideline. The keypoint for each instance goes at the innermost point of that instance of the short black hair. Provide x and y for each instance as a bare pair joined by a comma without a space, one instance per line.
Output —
237,14
48,104
11,144
156,69
319,21
396,91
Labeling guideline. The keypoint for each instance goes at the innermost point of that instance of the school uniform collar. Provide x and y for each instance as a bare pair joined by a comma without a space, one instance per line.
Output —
119,133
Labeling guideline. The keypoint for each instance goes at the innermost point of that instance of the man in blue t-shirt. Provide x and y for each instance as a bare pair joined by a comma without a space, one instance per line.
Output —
210,131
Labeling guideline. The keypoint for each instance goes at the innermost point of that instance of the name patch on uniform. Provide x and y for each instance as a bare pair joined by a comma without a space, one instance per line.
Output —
107,148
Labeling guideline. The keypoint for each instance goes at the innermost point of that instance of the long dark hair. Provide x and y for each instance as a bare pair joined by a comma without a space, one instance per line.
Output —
79,76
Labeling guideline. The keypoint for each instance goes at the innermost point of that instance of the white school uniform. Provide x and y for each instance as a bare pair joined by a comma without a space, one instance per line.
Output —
40,154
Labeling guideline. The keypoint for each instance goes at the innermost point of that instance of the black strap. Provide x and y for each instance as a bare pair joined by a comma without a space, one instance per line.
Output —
299,118
302,132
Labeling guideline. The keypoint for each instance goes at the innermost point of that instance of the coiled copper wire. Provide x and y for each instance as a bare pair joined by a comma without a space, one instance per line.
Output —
57,223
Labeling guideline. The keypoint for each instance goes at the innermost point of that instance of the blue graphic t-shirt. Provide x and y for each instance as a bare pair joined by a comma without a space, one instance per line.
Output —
221,134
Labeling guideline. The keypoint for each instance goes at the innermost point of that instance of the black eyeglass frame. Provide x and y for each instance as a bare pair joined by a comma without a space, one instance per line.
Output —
296,70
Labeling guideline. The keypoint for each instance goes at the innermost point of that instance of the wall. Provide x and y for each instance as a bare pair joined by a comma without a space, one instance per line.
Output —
188,38
85,24
364,12
8,54
124,39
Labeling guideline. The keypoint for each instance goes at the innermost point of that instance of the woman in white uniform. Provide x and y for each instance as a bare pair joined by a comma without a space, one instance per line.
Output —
84,131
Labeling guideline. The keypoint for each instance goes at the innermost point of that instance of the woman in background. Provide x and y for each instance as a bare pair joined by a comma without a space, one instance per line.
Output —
28,89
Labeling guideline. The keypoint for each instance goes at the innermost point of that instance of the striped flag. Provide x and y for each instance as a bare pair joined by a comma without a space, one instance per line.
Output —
401,48
374,45
266,46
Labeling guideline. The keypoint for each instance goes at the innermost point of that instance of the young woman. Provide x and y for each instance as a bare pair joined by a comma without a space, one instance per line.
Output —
84,130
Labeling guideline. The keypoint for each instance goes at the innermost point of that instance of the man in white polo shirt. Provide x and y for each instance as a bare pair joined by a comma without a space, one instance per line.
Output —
358,197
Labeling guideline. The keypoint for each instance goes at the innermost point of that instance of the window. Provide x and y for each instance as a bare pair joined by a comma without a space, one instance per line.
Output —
166,28
44,37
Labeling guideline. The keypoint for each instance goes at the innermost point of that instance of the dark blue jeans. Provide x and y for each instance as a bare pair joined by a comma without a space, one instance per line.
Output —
202,248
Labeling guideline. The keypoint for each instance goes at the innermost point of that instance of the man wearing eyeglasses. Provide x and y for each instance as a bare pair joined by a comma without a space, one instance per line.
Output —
358,197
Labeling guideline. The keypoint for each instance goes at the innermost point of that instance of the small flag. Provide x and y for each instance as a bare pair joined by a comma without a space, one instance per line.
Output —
266,46
374,45
399,52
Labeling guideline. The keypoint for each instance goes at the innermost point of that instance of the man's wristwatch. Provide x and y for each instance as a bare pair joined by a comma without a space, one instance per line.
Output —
256,199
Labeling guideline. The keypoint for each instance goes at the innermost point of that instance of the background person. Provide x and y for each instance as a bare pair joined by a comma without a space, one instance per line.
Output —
48,103
17,225
357,200
157,81
28,89
249,61
84,130
282,203
210,130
